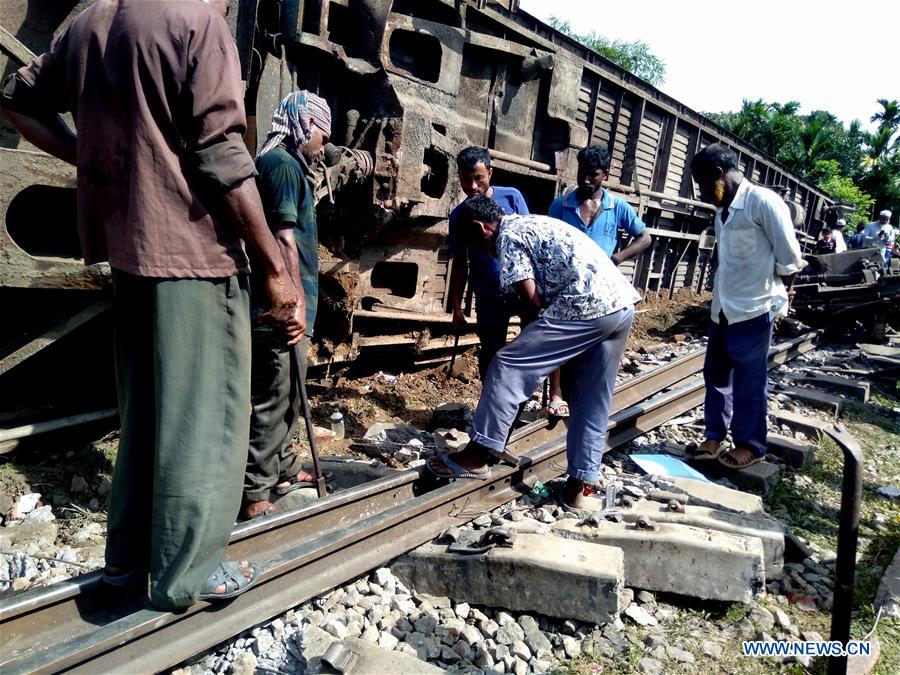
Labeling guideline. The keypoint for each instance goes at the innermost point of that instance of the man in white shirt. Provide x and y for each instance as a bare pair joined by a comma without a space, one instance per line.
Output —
837,232
757,257
880,233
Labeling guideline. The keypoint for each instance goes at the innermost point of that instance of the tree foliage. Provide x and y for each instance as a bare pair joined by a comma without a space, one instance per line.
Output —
855,167
635,57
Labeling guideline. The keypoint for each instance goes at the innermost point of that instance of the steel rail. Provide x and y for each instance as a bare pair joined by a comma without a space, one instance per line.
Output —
84,626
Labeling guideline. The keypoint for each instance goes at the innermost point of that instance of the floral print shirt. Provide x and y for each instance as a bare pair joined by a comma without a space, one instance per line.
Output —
576,279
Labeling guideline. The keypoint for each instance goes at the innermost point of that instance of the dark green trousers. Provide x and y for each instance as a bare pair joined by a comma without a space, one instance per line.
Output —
182,350
275,395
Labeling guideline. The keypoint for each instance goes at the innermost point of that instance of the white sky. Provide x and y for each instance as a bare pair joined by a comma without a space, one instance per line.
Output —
828,55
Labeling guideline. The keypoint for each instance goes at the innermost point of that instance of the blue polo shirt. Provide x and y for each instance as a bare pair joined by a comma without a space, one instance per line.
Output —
484,271
616,214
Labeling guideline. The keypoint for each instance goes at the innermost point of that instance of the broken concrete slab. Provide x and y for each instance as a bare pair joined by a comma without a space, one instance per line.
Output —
370,659
808,425
770,532
561,578
817,398
693,561
794,453
854,388
701,493
761,477
888,595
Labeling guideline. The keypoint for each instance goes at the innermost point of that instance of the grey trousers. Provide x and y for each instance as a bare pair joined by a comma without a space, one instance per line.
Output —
593,348
275,396
182,352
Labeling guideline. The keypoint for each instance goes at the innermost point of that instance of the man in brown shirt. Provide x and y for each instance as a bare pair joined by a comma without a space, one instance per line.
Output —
165,194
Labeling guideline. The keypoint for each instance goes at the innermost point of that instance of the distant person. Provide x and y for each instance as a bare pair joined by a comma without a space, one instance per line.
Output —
165,195
301,126
586,308
596,212
757,258
826,244
494,308
858,239
837,233
881,234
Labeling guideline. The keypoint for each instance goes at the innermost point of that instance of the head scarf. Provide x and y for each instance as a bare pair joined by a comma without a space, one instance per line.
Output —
292,117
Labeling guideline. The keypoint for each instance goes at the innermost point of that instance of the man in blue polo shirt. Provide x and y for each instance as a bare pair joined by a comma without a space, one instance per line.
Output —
494,308
596,212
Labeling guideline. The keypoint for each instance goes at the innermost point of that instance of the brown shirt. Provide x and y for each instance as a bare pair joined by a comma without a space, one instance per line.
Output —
155,90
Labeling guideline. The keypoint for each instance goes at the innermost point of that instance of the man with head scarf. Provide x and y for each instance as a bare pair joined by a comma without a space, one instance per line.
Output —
301,126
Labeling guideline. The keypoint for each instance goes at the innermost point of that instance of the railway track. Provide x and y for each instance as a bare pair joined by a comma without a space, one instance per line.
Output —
85,626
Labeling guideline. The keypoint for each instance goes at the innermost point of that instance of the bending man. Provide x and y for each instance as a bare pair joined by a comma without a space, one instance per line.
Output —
586,307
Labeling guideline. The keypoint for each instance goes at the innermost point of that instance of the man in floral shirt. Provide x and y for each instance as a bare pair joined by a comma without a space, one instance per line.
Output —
586,307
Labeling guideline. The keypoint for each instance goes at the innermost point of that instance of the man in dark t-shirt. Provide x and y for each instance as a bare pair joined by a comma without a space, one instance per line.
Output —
300,128
493,307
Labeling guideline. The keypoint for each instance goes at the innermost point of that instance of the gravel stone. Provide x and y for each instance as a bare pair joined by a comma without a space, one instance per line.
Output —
504,618
488,627
572,647
650,666
471,634
680,655
640,616
462,610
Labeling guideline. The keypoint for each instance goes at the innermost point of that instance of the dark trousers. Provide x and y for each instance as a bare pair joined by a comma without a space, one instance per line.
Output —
493,323
275,396
182,352
735,372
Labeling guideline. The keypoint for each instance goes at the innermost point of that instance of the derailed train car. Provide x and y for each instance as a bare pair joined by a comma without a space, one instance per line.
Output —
410,83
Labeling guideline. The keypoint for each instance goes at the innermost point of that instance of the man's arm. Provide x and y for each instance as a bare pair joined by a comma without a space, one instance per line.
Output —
637,245
459,273
284,237
627,219
529,293
775,220
49,133
242,210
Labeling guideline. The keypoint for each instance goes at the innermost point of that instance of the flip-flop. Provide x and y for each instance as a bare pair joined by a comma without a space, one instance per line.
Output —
694,452
228,572
553,409
728,461
458,470
294,484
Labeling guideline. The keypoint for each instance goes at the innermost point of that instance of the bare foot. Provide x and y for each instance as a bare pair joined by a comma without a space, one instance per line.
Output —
573,495
472,458
245,569
709,446
303,476
252,510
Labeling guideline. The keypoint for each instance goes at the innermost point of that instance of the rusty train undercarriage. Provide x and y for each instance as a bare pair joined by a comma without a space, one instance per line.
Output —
410,84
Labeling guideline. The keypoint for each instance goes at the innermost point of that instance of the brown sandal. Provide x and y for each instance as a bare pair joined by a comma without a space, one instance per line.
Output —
695,453
727,460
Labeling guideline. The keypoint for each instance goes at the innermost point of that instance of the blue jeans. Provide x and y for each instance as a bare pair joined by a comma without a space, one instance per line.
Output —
594,347
735,372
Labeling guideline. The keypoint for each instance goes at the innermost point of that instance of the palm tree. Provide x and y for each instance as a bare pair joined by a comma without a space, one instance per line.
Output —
889,116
